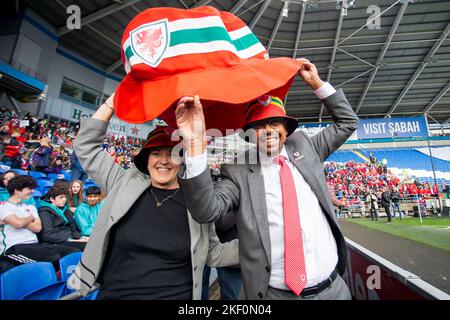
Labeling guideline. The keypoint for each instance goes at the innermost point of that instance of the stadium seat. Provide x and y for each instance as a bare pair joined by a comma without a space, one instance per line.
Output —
51,292
87,185
409,158
26,278
67,174
38,175
91,296
44,185
344,156
56,176
36,195
20,172
68,263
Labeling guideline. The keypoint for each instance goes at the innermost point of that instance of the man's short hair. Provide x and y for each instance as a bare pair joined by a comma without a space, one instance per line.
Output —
53,192
93,190
21,182
62,184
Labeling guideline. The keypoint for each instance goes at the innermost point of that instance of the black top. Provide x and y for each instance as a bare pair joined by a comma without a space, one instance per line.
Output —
148,254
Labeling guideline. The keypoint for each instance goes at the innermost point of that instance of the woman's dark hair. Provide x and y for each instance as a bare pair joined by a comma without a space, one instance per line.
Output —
21,182
93,190
2,176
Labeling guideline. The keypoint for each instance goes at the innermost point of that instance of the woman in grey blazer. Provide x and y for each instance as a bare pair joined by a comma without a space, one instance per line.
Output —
145,244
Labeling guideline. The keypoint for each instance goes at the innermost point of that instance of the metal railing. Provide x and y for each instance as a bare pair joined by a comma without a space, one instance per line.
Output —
27,70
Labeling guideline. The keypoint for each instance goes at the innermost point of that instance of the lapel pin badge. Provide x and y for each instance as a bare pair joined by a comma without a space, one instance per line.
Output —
298,156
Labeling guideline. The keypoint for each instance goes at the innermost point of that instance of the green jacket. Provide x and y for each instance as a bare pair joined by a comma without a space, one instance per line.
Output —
85,217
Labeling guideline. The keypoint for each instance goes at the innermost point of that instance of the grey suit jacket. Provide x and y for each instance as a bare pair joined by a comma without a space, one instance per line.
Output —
243,190
123,188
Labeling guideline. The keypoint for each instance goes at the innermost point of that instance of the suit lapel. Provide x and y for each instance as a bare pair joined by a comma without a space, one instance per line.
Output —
300,162
258,198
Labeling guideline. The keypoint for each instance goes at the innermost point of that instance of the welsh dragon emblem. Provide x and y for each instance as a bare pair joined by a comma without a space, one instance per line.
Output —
150,42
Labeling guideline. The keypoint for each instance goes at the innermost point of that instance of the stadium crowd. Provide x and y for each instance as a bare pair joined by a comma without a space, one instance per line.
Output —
66,217
33,143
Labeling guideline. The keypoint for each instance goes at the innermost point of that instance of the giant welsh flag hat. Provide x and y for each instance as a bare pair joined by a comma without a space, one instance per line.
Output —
169,53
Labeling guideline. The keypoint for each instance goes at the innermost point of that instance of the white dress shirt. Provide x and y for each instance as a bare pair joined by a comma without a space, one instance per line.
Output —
319,245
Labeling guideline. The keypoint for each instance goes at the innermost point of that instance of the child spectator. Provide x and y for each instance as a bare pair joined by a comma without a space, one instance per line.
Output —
86,214
4,194
58,225
55,167
41,157
75,194
21,222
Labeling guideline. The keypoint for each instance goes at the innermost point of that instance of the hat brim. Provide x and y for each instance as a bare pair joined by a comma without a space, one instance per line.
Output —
291,126
141,159
224,92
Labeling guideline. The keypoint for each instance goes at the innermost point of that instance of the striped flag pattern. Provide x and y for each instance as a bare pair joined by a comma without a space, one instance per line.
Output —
200,35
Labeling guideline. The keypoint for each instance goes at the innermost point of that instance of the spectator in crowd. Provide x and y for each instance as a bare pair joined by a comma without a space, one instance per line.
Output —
5,140
386,202
58,225
4,194
372,200
229,277
75,194
55,166
396,197
446,190
76,168
12,149
22,223
86,213
41,156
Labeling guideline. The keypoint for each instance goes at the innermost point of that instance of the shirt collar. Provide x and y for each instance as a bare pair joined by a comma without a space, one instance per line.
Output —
267,161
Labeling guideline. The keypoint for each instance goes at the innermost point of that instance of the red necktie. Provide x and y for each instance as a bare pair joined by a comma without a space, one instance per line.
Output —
294,258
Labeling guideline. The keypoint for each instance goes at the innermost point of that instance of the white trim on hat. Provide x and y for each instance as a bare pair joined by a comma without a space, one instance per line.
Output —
196,23
195,47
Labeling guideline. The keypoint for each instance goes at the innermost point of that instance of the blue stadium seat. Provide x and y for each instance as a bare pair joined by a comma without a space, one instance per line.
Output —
20,172
38,175
51,292
68,263
67,174
44,185
409,158
87,185
37,193
91,296
56,176
26,278
344,156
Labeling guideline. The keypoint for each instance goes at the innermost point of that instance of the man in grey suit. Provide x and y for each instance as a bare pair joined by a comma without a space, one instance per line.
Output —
291,246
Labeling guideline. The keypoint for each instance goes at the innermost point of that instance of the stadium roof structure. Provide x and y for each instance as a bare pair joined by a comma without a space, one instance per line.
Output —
391,57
